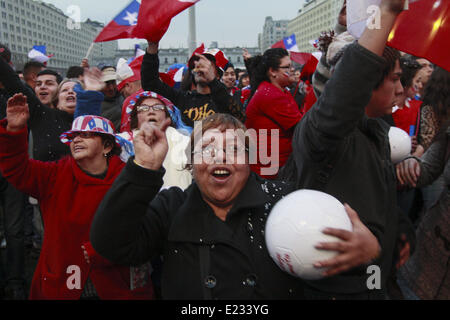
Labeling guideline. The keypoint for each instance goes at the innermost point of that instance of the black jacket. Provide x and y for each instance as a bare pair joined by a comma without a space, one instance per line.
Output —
193,105
46,124
338,150
204,257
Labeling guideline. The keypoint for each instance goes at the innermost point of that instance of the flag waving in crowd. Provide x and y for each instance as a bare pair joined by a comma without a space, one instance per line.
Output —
122,26
148,20
427,21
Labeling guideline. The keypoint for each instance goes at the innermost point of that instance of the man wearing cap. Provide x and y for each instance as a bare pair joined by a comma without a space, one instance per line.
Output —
210,95
112,105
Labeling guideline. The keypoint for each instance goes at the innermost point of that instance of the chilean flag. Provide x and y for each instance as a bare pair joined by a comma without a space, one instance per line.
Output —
122,26
424,31
148,20
155,16
288,43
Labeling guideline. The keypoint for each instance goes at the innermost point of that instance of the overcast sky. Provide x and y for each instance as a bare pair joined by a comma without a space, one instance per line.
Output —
230,22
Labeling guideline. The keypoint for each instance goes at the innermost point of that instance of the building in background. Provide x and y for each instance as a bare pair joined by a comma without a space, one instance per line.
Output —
26,23
170,56
273,31
314,17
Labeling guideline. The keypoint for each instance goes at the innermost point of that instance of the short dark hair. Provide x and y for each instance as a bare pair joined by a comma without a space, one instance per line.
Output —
390,56
109,140
32,66
52,73
410,68
74,72
221,121
5,53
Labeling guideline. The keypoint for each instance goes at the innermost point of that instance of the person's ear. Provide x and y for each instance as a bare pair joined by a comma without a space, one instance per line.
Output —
107,147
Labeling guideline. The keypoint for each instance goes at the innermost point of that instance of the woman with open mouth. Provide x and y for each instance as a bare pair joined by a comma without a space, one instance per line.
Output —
69,192
211,235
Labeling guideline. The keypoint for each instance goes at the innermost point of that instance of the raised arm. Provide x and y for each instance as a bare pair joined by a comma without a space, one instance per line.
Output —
29,176
342,104
150,77
131,229
89,100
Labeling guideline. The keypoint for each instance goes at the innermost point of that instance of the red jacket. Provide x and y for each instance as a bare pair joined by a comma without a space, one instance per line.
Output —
68,199
270,108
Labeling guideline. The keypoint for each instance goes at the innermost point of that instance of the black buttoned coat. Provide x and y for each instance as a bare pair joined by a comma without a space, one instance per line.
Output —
204,257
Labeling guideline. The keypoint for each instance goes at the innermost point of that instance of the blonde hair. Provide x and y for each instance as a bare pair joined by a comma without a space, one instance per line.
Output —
56,98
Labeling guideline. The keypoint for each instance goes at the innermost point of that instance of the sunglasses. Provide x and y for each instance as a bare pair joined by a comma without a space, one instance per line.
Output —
145,108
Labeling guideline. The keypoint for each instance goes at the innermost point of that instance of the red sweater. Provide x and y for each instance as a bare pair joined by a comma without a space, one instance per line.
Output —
68,199
272,109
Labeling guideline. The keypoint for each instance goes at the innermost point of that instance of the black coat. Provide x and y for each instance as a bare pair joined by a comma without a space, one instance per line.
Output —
193,105
204,257
337,149
46,124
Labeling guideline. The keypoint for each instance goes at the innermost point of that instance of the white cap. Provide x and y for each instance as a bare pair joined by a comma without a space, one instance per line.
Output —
123,71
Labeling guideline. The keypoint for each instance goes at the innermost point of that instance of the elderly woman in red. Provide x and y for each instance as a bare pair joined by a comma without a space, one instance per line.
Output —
69,192
272,111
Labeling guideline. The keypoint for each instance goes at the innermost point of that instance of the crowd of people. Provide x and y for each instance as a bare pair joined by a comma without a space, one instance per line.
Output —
131,187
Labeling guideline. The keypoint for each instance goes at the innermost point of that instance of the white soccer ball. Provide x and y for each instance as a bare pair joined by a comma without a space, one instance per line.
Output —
400,143
295,226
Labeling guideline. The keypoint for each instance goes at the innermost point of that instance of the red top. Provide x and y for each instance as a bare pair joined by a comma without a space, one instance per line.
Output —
310,98
272,109
68,198
407,116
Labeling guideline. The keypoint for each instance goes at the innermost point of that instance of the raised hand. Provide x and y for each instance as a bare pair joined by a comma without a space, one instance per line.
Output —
205,68
85,63
356,248
152,47
342,19
93,80
17,112
394,6
150,145
245,54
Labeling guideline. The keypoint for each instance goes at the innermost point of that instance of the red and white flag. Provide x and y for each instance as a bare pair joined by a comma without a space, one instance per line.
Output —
155,16
424,31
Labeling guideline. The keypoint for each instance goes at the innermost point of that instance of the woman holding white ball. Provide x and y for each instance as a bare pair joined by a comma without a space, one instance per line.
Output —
212,234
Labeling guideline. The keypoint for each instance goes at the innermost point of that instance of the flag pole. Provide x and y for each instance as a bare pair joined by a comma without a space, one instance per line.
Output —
192,39
89,50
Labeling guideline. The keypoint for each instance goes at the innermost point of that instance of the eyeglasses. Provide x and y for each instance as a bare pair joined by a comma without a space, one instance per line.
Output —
285,67
84,134
145,108
231,151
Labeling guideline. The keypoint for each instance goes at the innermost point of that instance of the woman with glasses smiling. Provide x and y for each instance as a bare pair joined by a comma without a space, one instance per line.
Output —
153,108
272,108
